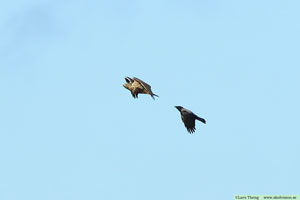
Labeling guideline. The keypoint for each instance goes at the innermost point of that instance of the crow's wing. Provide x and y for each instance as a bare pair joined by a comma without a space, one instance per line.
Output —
189,123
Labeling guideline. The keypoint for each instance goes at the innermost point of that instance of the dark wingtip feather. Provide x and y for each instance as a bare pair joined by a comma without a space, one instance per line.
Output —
191,130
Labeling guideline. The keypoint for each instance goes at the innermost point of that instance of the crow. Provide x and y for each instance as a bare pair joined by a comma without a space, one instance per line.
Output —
137,86
188,118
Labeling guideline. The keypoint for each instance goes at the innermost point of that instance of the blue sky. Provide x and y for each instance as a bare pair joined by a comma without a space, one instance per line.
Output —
69,130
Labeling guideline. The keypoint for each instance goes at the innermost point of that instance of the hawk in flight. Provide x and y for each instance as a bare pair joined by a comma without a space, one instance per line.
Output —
188,118
137,86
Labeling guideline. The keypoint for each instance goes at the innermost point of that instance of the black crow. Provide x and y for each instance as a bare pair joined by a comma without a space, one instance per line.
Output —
188,118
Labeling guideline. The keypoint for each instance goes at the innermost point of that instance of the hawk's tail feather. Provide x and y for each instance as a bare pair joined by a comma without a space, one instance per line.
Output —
152,95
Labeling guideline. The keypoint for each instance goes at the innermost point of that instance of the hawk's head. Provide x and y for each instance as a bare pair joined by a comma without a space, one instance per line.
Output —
128,83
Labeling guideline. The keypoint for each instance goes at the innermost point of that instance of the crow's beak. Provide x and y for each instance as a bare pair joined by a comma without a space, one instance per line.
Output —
178,107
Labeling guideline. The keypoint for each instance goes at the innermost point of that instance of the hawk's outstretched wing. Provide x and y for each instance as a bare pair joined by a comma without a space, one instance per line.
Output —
143,84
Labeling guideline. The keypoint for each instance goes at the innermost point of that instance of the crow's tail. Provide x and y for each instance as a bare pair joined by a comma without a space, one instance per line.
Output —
201,119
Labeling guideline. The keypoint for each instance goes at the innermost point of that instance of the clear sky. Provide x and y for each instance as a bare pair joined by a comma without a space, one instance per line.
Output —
69,130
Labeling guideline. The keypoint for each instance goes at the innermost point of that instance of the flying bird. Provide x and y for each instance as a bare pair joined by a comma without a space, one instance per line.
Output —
137,86
188,118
